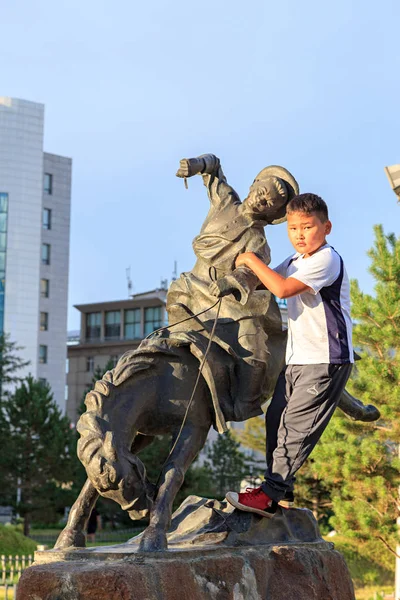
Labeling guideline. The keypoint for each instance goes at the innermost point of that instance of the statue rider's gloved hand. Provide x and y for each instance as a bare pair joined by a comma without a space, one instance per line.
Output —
206,163
225,286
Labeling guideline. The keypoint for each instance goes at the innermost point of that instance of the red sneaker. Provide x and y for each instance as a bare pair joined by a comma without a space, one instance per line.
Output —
253,500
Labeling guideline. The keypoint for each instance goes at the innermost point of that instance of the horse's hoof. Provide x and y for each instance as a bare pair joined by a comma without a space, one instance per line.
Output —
70,538
153,540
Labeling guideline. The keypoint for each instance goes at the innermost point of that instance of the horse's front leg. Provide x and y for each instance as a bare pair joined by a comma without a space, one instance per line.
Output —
189,444
73,533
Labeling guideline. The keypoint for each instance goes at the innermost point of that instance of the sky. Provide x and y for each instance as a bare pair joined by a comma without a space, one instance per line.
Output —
131,88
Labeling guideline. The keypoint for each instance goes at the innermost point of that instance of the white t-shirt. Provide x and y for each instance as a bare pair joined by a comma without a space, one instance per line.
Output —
319,323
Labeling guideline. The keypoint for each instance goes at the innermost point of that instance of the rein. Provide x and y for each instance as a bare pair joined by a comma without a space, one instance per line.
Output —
219,301
196,383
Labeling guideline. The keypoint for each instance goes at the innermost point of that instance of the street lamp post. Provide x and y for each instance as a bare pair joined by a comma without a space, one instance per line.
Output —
393,174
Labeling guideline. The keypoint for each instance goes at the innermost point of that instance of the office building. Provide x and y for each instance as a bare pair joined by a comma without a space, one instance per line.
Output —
35,197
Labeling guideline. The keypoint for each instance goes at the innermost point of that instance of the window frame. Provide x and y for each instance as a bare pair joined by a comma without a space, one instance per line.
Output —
45,293
44,326
46,259
96,327
48,179
137,325
155,323
112,331
46,224
43,359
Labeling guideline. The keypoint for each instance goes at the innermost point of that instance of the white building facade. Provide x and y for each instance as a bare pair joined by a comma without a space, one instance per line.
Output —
35,199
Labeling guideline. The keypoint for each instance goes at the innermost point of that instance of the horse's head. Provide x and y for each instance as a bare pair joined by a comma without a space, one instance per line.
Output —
112,469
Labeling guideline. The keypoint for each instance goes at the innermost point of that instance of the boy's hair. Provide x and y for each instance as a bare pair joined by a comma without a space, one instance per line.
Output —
308,203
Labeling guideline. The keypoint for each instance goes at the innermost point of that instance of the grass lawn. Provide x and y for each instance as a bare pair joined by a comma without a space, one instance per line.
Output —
369,593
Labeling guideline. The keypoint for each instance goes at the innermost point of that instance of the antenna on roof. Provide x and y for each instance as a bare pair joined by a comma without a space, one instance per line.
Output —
175,271
129,281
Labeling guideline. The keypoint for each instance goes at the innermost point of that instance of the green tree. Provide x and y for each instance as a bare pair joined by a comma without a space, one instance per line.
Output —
10,363
361,461
38,458
227,465
198,480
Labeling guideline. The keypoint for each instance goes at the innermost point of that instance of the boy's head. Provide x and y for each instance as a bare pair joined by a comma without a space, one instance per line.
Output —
308,223
309,203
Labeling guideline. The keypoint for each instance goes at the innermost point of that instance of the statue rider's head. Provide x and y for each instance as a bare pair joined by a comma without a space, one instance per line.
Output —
269,195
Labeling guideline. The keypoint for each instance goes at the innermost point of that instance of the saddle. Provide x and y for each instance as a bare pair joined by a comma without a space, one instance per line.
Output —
217,367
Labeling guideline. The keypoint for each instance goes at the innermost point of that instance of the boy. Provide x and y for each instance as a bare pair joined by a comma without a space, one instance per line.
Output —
319,352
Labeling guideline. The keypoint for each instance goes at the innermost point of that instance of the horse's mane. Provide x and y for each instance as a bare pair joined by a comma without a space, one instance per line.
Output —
130,363
94,429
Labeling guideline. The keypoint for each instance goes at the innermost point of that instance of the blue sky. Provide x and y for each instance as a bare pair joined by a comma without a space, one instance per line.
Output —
130,88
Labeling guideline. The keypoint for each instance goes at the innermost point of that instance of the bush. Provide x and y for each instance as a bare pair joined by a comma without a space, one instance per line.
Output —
368,562
14,542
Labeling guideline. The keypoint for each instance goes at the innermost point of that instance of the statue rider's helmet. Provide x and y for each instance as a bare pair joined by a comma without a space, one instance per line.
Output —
270,192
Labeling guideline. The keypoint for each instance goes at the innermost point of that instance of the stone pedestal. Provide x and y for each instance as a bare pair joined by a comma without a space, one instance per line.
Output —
215,553
296,572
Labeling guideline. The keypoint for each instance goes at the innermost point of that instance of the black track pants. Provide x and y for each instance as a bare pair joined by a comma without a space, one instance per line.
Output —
303,403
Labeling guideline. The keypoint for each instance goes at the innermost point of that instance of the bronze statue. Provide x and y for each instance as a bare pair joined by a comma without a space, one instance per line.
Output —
238,342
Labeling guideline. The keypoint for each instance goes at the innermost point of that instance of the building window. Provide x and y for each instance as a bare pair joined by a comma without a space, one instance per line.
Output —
132,324
114,360
93,326
152,319
43,381
43,354
44,321
113,324
3,222
90,364
45,254
48,183
44,288
47,218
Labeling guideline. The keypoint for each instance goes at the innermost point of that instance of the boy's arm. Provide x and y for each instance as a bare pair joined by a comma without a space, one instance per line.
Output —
280,286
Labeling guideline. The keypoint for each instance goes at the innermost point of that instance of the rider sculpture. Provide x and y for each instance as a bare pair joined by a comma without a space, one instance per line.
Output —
248,341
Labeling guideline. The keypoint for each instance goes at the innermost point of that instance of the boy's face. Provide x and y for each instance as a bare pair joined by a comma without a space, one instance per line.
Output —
307,232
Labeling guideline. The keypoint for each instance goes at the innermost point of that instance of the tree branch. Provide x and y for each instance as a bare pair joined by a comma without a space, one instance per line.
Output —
388,547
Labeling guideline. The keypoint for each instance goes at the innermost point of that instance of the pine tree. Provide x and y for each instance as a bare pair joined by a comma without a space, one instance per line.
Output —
227,464
10,364
359,460
38,459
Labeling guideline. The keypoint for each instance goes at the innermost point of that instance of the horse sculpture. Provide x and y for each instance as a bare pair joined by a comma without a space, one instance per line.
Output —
211,370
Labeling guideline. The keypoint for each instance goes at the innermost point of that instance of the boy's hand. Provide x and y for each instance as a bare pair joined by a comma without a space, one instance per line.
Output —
225,286
243,258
